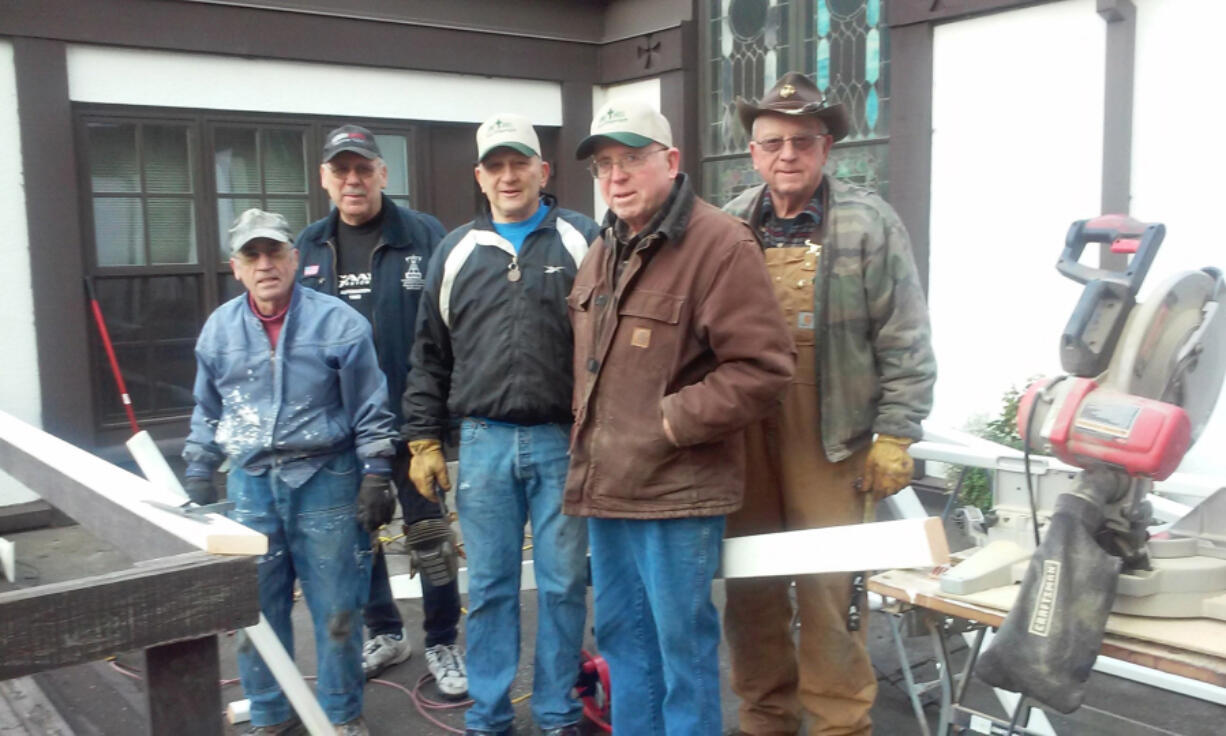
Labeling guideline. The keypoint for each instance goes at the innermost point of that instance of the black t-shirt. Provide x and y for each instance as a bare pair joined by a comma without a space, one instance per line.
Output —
354,245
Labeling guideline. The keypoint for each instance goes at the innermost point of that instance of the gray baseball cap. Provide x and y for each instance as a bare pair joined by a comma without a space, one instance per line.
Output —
254,224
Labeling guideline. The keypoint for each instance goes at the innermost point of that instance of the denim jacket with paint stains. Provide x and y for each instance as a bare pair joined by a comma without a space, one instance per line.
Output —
319,393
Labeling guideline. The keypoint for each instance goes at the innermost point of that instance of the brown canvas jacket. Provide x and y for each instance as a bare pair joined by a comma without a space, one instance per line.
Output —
692,333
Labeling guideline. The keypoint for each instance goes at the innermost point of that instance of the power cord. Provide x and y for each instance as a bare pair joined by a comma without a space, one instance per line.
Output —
1030,430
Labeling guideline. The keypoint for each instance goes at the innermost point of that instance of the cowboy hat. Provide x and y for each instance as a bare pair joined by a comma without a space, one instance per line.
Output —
795,94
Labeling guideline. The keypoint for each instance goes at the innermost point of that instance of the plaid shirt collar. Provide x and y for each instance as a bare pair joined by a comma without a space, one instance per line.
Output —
780,233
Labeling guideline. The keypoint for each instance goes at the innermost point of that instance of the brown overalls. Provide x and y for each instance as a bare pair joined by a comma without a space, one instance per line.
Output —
791,485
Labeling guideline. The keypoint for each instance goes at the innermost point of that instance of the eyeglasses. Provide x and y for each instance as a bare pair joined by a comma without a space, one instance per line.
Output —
800,143
363,170
602,168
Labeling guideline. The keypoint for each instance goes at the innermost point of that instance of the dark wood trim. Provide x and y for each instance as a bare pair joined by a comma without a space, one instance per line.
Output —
170,599
56,270
641,56
274,34
906,12
691,94
1121,19
557,19
181,688
909,155
572,182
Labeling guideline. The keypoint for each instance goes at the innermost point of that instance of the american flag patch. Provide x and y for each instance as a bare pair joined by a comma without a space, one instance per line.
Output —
311,270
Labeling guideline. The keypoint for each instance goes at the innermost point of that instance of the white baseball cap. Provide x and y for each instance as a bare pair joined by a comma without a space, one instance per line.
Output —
507,130
629,122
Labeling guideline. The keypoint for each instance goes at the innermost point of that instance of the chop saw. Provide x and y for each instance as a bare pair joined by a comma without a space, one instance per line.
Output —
1142,381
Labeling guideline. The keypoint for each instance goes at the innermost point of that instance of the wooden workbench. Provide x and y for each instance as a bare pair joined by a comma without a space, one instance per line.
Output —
1194,648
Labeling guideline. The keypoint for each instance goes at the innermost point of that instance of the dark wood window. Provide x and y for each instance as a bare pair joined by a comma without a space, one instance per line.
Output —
160,191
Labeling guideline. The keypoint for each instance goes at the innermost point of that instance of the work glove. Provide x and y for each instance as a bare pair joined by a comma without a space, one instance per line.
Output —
428,467
888,468
376,502
200,490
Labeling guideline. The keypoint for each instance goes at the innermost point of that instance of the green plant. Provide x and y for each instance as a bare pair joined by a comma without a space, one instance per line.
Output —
976,483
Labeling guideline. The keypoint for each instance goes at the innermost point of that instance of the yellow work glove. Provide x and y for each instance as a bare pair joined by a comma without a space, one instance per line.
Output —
888,468
427,467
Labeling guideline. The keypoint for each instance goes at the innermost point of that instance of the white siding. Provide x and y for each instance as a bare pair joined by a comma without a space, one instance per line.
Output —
174,79
19,384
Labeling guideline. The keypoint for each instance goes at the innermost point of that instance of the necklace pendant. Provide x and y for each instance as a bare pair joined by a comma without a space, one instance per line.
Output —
513,273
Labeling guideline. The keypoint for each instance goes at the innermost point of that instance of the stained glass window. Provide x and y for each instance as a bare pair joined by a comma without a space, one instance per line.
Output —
846,53
842,45
749,50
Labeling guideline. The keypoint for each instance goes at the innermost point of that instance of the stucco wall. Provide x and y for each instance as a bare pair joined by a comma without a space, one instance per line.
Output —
19,384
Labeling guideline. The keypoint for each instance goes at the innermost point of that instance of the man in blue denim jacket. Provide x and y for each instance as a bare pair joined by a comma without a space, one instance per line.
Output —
288,388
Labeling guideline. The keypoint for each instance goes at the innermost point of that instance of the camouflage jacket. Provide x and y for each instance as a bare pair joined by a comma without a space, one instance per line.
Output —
876,368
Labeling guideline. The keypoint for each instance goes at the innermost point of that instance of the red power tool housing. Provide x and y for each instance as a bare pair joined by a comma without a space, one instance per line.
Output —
1087,425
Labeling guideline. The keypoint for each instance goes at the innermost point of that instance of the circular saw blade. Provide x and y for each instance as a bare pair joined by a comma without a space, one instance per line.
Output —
1174,346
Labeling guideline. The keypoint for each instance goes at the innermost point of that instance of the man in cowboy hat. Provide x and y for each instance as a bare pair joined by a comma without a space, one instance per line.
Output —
846,281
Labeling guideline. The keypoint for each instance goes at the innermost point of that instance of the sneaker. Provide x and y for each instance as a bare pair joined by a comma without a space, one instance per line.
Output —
446,664
508,731
356,727
289,727
570,730
383,651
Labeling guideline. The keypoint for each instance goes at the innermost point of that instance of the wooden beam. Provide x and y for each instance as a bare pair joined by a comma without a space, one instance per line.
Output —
170,599
910,150
882,545
22,516
906,12
113,504
181,688
1121,22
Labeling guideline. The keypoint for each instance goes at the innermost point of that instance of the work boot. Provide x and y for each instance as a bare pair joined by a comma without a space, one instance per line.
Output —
383,651
291,726
356,727
446,665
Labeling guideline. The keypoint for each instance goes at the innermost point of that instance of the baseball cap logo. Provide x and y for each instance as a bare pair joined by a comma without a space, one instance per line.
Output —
340,137
611,117
501,126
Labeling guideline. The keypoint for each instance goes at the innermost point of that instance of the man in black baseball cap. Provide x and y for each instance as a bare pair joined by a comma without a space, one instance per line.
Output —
373,254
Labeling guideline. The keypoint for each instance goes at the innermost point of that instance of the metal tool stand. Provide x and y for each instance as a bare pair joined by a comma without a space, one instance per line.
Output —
954,717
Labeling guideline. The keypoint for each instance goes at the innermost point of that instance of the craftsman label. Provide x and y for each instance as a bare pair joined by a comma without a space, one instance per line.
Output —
1045,600
1107,420
641,337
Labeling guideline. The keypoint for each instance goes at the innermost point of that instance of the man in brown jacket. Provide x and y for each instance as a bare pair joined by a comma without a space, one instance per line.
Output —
679,344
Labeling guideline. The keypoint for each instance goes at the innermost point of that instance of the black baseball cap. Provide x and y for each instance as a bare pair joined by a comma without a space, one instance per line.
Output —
353,138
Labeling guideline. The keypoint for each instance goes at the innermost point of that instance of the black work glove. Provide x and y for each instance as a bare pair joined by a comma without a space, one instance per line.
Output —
376,502
201,490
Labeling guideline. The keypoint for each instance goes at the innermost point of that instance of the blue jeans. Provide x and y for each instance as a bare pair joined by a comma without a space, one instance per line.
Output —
655,623
441,606
507,474
313,535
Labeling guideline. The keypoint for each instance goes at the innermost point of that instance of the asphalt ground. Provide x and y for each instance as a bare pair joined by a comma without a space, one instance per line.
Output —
108,697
